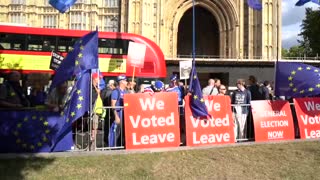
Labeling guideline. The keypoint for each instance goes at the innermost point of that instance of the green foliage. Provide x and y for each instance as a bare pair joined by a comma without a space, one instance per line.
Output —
293,52
310,32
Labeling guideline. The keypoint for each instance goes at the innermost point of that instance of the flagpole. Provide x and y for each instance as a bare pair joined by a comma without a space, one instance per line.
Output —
193,33
277,53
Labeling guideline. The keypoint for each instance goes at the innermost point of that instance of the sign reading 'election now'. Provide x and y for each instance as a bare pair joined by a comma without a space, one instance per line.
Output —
308,114
272,120
152,121
216,130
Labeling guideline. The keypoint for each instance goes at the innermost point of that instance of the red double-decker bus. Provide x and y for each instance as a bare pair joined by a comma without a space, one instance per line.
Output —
29,50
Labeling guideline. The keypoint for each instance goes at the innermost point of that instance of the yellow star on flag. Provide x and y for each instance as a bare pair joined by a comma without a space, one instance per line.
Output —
47,131
46,123
308,68
32,147
302,91
293,72
291,84
290,78
318,85
39,144
202,100
70,49
316,70
25,119
80,98
34,117
19,125
82,47
79,106
295,90
72,114
76,62
195,97
311,89
80,55
79,91
44,139
299,68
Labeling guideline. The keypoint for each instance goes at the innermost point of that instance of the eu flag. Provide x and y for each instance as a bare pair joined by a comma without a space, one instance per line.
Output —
255,4
31,131
78,104
198,107
297,79
82,56
96,74
62,5
302,2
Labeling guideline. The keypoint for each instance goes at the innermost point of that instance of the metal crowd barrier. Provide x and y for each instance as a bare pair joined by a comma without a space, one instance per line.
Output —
90,134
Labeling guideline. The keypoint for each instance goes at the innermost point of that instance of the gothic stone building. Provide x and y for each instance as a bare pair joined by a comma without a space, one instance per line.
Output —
232,40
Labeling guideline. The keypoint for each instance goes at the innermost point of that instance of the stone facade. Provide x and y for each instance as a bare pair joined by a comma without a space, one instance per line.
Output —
224,28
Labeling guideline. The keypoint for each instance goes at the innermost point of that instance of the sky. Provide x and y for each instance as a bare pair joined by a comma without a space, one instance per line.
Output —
292,17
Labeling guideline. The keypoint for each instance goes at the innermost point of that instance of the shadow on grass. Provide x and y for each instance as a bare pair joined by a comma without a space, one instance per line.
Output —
18,168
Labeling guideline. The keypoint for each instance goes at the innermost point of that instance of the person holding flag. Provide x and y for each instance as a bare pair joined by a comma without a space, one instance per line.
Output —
79,62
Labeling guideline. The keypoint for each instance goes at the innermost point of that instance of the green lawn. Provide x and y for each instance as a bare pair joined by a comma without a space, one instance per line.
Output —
294,160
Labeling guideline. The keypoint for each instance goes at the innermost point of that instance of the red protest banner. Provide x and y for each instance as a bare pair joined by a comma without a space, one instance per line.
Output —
308,114
151,121
272,120
217,130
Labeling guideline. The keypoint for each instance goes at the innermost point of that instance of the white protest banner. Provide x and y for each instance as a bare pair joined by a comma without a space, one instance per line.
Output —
136,54
185,69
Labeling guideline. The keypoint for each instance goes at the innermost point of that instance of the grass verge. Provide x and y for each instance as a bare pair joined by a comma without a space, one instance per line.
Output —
293,160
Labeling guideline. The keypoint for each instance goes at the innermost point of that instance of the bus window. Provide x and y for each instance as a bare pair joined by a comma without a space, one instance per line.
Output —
113,46
34,43
41,43
13,41
65,43
49,43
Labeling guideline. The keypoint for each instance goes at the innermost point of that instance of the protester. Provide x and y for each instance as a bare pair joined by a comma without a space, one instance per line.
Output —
117,128
217,82
222,90
257,92
210,89
131,86
109,118
11,92
241,99
158,86
37,96
57,98
174,87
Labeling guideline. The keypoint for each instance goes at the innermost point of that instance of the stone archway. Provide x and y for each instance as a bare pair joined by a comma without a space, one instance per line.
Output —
222,11
207,34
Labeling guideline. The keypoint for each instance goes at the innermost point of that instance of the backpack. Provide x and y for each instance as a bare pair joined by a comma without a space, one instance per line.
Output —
107,102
